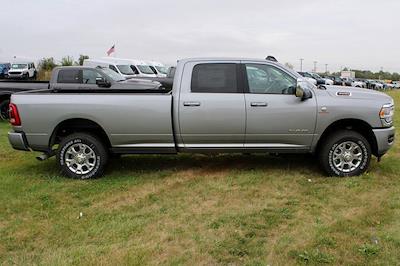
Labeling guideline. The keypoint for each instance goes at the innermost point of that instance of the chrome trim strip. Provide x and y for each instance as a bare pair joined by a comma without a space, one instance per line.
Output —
146,145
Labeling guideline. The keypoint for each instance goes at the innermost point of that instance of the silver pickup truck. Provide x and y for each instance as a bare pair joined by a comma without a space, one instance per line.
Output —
216,105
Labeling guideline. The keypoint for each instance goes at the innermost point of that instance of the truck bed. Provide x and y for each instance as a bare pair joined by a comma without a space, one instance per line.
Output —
133,122
14,86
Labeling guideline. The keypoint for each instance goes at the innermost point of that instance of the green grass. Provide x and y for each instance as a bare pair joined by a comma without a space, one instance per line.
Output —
195,209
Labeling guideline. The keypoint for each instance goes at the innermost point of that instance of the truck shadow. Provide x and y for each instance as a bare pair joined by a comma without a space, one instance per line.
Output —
232,162
151,166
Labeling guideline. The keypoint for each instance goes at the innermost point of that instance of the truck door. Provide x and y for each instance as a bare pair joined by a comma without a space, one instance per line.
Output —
276,118
212,106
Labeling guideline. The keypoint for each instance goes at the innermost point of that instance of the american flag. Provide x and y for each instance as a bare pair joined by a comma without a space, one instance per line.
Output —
111,50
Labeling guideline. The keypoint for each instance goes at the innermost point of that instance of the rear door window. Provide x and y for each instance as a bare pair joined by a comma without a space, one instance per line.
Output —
69,76
214,78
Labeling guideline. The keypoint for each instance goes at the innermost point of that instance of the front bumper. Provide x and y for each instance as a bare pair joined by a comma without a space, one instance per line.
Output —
11,75
384,139
18,141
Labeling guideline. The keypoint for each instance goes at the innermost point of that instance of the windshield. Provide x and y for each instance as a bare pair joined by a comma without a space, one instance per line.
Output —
112,74
316,76
162,69
145,69
125,69
19,66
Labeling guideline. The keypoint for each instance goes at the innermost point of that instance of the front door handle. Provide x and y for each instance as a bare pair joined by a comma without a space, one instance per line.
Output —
258,104
191,103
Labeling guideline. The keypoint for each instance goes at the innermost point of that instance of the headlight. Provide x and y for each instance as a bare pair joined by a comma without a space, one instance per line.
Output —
386,114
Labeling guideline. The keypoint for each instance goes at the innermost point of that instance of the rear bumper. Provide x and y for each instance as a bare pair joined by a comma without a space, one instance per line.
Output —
18,141
384,139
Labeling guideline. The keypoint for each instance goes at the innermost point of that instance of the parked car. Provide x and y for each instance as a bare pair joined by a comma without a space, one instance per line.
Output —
382,84
396,84
4,68
308,77
354,83
158,68
373,84
74,78
388,85
22,70
216,105
320,80
338,81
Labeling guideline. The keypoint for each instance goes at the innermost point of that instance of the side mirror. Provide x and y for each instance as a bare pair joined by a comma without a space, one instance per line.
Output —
302,90
299,91
102,82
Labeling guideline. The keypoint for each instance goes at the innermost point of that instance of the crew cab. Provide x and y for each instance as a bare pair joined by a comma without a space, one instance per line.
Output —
76,77
215,106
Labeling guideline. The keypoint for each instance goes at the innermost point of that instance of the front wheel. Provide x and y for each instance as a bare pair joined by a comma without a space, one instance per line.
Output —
4,107
345,153
82,156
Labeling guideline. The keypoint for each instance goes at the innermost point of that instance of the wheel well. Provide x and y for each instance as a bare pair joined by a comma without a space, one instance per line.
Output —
71,126
4,97
357,125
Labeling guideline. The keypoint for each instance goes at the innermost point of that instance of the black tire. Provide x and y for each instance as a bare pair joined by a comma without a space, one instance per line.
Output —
333,151
93,163
4,107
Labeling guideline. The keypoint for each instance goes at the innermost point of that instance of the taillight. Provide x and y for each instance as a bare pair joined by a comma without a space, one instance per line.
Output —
15,120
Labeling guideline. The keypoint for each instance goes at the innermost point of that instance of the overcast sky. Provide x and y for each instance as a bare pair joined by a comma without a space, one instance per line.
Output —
360,34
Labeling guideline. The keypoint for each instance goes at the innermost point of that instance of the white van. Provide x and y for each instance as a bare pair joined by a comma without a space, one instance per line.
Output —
158,68
140,67
126,68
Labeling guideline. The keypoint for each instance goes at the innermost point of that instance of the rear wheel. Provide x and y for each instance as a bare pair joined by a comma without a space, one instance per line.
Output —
82,156
345,153
4,106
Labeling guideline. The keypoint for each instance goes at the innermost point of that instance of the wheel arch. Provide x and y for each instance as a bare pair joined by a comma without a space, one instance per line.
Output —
5,95
74,125
358,125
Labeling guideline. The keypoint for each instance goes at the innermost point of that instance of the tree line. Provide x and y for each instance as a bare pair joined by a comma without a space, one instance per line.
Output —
47,64
367,74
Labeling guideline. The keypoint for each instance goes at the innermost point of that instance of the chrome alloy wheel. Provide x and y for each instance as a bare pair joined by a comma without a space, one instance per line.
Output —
347,156
80,158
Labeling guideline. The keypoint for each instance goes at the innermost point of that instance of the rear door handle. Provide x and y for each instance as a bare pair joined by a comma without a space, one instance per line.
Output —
258,104
191,103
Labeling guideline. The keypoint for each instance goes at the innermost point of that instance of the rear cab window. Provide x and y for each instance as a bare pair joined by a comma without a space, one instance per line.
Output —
215,78
69,76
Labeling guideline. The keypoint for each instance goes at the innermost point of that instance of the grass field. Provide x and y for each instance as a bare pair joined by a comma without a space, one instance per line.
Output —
194,209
